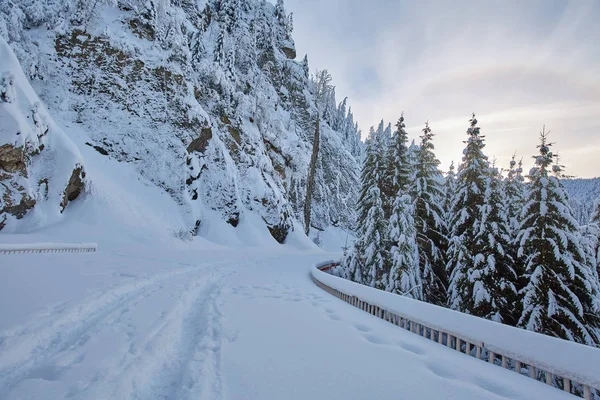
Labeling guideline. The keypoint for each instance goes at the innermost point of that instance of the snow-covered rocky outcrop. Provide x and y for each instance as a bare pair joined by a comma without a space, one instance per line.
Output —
39,165
204,97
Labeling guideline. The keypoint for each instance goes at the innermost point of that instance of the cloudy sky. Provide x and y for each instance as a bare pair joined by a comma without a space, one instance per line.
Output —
517,64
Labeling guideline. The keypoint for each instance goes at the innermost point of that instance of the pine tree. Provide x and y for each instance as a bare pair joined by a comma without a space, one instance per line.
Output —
495,279
397,169
562,296
374,242
465,221
404,277
449,195
514,188
427,195
515,192
355,264
219,55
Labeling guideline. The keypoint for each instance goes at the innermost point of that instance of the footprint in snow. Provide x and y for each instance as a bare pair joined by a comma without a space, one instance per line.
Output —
411,348
362,328
375,339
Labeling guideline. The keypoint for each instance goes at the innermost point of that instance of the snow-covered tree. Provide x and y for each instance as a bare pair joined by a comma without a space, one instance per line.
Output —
397,167
404,277
360,266
449,194
471,185
515,192
593,244
427,195
374,242
494,277
514,188
561,297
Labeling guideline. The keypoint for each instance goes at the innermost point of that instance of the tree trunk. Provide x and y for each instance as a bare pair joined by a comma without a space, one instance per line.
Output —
311,178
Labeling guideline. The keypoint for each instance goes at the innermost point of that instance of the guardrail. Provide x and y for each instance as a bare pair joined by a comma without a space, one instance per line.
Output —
535,359
30,248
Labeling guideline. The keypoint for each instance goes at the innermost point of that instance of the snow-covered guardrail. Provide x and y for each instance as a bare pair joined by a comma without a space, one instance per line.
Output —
569,366
28,248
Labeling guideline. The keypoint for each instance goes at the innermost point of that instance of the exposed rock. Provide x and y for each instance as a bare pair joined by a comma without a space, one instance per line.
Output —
20,209
74,188
234,220
289,52
99,149
12,159
279,232
200,143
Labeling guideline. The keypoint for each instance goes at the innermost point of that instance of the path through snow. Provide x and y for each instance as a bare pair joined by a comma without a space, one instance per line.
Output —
234,325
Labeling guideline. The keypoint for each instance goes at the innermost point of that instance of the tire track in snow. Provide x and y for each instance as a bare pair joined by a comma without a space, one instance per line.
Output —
33,348
180,358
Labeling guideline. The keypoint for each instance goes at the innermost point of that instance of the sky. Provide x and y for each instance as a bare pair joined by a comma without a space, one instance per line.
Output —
519,65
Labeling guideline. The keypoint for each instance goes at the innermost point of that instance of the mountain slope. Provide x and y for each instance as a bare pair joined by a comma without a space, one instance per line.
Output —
39,165
202,97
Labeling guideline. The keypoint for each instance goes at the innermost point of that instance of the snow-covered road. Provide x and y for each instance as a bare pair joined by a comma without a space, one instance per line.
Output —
214,325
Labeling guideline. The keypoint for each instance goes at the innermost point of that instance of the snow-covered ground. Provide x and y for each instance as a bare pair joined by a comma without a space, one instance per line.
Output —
213,324
231,315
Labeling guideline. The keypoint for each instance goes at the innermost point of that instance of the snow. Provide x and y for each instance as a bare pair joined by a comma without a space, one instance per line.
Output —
229,315
575,361
25,123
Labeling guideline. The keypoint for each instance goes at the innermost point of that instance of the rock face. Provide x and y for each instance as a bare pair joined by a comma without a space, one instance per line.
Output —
204,98
39,166
12,159
74,188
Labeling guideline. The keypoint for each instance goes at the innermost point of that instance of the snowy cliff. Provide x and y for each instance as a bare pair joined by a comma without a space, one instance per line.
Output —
204,98
40,168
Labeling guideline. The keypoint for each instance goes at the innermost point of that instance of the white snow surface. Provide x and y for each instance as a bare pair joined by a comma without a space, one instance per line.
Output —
561,357
230,315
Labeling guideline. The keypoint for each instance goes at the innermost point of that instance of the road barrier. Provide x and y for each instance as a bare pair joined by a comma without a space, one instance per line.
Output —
31,248
527,353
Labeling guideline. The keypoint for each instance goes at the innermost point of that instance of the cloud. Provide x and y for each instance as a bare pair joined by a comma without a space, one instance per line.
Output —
518,65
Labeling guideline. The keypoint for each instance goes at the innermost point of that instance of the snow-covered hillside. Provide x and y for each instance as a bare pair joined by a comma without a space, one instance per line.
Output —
40,167
584,194
202,98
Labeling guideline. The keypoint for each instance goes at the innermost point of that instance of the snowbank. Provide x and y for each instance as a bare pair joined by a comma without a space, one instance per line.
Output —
571,360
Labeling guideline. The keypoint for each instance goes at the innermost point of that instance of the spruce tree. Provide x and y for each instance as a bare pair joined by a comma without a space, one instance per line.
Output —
375,267
404,277
465,220
482,275
494,277
561,297
514,187
355,264
449,195
427,195
397,168
515,192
